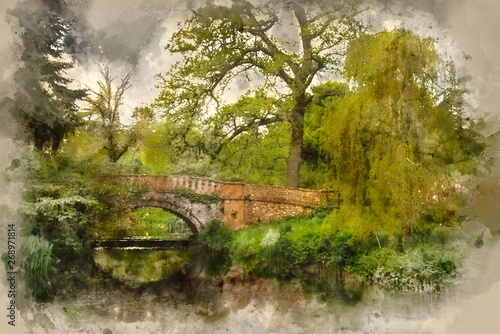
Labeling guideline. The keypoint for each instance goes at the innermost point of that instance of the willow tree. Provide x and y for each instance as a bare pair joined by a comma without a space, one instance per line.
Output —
395,137
272,52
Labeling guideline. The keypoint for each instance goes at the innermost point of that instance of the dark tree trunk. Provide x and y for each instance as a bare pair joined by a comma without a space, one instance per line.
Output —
56,143
294,159
57,136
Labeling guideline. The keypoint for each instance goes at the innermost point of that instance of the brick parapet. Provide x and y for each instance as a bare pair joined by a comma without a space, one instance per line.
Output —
242,203
233,190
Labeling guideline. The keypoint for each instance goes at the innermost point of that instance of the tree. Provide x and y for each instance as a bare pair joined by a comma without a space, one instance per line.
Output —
104,116
224,45
255,156
395,137
44,105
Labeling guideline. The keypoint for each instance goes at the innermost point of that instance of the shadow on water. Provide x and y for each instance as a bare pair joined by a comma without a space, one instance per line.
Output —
194,273
136,262
214,299
190,275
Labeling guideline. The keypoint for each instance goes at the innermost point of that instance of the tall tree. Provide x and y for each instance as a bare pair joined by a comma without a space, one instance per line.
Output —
44,105
104,116
395,137
278,48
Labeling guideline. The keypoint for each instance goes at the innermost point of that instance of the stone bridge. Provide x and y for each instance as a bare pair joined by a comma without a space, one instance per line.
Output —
198,201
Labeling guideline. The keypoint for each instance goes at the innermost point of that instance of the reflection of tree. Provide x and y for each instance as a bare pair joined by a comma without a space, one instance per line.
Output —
104,116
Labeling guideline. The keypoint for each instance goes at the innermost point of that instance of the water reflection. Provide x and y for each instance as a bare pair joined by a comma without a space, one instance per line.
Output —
136,266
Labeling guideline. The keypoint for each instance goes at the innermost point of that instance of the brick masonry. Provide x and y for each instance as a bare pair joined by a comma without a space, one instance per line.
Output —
240,204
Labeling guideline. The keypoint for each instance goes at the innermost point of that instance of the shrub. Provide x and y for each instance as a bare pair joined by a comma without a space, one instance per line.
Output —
63,222
421,267
216,238
36,260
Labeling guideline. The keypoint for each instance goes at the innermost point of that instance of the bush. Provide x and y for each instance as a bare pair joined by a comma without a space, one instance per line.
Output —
36,260
63,222
345,249
215,237
421,267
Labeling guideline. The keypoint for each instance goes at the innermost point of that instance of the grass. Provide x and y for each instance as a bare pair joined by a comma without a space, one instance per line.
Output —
36,261
307,247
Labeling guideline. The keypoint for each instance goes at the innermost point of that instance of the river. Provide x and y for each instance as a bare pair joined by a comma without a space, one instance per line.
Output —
243,304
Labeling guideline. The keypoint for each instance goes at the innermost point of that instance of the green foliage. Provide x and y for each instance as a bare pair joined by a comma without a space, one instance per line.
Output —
309,248
116,193
65,198
305,244
157,153
316,172
257,156
148,223
174,228
364,222
400,126
36,261
389,63
345,249
159,222
291,247
252,246
36,256
421,267
226,44
44,104
322,212
83,145
215,236
63,221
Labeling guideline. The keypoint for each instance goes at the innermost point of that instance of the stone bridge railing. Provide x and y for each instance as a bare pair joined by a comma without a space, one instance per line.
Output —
240,204
163,183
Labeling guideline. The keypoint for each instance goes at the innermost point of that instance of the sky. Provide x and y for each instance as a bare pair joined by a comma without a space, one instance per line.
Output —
133,35
130,35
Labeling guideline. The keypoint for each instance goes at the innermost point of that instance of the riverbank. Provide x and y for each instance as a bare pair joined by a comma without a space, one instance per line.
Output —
313,249
237,303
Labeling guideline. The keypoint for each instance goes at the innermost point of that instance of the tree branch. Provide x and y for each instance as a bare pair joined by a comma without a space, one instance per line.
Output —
244,128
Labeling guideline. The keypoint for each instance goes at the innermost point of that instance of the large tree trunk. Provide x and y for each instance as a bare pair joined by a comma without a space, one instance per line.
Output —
294,159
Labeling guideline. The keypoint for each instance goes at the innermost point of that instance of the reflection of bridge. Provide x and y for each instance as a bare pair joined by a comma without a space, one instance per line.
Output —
199,201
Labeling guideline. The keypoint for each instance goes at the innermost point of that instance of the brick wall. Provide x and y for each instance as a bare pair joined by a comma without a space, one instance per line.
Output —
241,204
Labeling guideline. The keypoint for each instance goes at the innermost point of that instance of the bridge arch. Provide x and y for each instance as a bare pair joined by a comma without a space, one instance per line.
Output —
184,213
198,201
